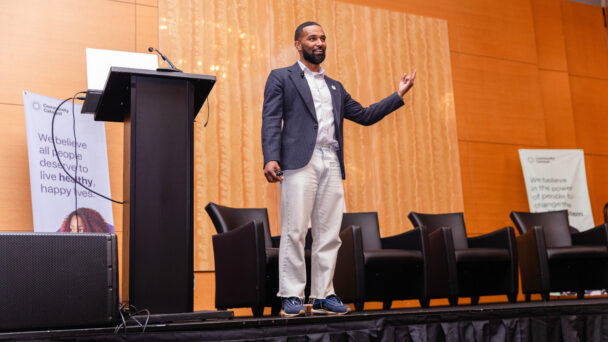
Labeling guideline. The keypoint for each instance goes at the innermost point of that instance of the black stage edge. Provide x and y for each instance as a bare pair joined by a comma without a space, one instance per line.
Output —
559,320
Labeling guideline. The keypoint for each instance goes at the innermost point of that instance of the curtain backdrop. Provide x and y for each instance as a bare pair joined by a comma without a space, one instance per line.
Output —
408,161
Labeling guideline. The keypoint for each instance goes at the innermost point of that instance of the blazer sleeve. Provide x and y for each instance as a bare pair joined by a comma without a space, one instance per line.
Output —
354,111
272,116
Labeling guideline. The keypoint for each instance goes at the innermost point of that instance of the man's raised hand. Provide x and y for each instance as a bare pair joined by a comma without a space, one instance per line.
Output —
406,83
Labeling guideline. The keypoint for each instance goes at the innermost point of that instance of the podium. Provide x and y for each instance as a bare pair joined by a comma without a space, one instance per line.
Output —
158,111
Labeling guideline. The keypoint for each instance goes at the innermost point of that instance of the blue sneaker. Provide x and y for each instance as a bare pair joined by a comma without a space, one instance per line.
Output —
292,307
332,305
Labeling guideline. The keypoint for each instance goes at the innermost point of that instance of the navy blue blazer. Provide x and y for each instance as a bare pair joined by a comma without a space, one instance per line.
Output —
289,120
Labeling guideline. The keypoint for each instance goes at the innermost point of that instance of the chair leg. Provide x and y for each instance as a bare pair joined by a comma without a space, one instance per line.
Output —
258,311
580,294
528,297
359,306
474,300
453,301
386,305
424,302
545,296
512,297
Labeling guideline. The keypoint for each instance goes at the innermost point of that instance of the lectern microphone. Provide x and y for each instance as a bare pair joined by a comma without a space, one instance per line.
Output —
173,68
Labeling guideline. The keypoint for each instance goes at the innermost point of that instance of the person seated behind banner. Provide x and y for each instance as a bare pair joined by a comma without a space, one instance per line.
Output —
85,220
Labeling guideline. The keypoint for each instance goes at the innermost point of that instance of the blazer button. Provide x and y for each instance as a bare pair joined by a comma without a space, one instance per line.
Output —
316,126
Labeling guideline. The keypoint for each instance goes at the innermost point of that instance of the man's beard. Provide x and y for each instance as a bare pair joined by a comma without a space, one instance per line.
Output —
313,58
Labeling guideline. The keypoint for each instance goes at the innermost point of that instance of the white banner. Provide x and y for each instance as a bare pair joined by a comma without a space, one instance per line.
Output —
556,180
54,193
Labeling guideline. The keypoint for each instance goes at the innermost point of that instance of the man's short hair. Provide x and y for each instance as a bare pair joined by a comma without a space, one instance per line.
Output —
301,28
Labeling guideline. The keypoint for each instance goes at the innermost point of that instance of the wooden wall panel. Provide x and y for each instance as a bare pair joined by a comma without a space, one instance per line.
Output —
392,151
15,199
597,178
114,141
585,37
146,29
590,105
502,30
45,50
435,9
47,56
550,46
498,101
153,3
204,291
494,185
557,107
45,53
229,40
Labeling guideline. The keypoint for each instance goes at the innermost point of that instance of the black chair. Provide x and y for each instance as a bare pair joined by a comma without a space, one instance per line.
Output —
370,268
468,266
555,257
246,259
246,263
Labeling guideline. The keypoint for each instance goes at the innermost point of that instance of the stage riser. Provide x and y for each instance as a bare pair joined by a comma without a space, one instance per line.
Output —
564,320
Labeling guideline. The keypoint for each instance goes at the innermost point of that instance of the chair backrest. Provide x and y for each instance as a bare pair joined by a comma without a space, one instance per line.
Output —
455,221
226,218
555,225
370,229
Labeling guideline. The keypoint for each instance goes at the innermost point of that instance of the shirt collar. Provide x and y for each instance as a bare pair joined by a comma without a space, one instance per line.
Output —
309,72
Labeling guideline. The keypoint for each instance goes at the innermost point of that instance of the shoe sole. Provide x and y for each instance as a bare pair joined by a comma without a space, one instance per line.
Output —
287,315
327,312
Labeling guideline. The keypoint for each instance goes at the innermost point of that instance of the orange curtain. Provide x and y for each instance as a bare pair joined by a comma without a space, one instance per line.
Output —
408,161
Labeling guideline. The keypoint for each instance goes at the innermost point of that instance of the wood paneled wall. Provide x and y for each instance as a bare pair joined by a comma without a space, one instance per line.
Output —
526,74
43,51
405,162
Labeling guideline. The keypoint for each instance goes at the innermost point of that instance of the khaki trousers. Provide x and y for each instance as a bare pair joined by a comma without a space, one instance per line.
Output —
312,194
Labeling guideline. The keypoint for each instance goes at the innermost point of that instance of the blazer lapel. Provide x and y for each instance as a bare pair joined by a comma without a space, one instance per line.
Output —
303,88
335,99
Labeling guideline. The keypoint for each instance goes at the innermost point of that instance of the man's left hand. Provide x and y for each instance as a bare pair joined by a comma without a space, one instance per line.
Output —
407,82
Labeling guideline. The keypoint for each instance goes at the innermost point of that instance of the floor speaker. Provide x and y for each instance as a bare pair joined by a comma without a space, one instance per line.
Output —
50,280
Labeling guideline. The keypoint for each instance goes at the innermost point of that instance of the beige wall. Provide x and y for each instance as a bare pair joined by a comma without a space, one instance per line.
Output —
526,73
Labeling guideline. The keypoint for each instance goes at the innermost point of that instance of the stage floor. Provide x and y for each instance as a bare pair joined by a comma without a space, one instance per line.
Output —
556,320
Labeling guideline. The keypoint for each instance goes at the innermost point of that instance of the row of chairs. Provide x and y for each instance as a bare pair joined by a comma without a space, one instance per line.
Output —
435,260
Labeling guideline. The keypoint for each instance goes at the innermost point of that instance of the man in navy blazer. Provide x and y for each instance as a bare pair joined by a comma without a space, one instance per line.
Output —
302,142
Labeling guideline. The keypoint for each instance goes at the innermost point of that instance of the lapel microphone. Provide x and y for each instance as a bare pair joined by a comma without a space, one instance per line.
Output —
302,74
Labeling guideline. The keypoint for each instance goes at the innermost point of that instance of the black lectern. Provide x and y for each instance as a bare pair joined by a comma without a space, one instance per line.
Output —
158,110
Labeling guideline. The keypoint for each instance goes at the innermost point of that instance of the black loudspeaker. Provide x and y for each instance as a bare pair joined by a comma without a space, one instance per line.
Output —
50,280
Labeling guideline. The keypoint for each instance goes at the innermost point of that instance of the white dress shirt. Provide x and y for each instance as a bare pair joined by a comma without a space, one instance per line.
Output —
326,133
